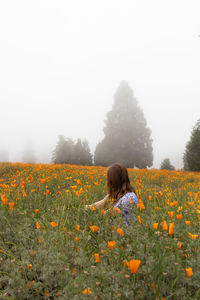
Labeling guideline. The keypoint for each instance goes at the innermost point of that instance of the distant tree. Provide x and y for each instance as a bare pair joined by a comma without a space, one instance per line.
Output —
127,137
87,156
81,153
191,157
78,153
63,153
4,155
166,164
69,152
29,155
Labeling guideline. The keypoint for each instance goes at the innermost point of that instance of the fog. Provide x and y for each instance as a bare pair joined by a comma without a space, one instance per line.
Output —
62,61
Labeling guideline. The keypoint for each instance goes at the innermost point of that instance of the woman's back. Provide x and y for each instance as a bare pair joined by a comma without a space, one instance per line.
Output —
127,204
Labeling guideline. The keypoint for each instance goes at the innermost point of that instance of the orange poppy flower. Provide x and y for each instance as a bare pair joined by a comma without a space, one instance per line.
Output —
117,210
53,224
120,231
4,200
171,228
155,226
87,291
189,272
37,225
133,265
11,205
94,228
165,226
193,236
187,222
179,245
78,227
29,266
179,216
139,219
170,213
141,205
96,256
111,244
42,180
157,208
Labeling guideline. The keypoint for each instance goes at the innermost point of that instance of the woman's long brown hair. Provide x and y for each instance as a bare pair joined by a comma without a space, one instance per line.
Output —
118,183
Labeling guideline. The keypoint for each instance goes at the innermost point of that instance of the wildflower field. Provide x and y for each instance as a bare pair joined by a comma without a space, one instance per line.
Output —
51,247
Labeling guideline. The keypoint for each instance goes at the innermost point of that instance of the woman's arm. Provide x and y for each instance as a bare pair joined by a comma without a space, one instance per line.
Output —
97,204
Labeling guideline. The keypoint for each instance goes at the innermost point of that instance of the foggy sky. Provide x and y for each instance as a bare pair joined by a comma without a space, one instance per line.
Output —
62,61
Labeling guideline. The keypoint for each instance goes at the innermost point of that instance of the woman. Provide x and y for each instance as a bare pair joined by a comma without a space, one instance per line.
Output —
121,194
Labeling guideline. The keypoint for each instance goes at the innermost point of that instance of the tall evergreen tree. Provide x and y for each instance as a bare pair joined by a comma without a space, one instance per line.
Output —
191,158
127,137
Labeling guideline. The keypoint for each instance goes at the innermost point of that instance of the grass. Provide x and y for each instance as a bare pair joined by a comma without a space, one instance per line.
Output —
41,261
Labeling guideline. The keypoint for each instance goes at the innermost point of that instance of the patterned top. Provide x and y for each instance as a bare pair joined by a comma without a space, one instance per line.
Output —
125,204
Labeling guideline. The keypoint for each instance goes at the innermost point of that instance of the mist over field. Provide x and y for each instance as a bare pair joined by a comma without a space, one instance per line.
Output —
61,63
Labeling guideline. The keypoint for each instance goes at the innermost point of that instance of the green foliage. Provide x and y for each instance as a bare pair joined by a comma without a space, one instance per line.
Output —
69,152
191,158
166,164
62,267
127,137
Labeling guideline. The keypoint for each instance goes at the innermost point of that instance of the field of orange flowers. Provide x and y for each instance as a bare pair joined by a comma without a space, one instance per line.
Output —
52,247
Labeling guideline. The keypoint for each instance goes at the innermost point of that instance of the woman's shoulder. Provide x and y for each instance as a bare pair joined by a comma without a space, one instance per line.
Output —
124,200
130,195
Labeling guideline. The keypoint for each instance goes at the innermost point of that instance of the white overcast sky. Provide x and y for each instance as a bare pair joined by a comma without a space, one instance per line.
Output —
62,61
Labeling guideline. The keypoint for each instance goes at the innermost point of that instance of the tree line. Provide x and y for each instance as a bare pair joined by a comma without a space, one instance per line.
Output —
127,139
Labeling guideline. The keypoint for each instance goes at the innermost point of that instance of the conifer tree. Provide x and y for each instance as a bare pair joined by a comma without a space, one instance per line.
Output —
191,158
127,137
